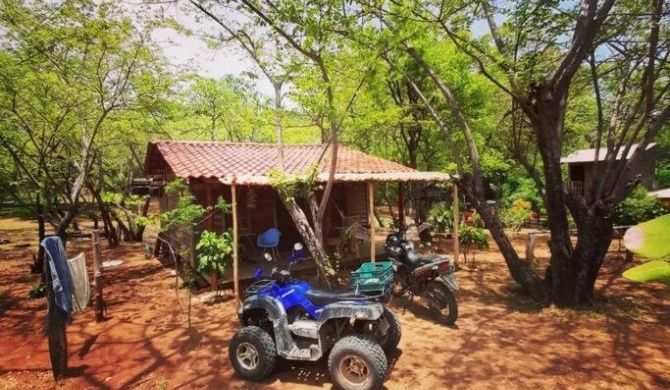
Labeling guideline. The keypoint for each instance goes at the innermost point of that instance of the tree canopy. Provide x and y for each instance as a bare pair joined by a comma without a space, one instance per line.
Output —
495,91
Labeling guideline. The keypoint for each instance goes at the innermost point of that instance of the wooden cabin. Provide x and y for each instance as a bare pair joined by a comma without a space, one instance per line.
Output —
212,168
583,167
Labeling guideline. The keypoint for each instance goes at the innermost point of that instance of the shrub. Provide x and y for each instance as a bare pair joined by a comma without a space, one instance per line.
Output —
471,239
441,216
213,251
637,208
514,217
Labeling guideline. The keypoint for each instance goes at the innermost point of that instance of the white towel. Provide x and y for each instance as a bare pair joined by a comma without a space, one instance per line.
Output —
82,289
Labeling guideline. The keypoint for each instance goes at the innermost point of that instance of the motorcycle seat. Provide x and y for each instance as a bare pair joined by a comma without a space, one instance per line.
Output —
325,297
418,261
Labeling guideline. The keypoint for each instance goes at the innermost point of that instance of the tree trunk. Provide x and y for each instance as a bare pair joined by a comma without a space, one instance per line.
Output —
112,236
66,220
521,271
38,265
313,238
138,232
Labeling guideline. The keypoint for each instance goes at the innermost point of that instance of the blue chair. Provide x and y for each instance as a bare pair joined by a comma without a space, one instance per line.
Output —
269,240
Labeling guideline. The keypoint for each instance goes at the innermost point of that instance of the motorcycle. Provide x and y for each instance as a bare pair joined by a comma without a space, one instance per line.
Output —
430,277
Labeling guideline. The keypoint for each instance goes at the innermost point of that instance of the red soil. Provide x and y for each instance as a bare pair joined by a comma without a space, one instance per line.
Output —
501,340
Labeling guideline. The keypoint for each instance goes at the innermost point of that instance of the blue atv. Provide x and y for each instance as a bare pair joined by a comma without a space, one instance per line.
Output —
285,317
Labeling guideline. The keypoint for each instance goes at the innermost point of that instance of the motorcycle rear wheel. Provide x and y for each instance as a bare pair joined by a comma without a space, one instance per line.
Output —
400,283
441,302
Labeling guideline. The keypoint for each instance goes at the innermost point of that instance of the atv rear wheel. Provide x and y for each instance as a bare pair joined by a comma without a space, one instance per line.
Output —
252,353
389,342
441,302
357,362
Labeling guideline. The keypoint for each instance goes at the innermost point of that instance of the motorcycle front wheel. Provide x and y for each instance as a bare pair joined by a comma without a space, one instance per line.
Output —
441,302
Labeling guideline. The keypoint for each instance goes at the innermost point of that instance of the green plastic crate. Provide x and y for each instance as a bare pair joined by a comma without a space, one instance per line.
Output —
372,276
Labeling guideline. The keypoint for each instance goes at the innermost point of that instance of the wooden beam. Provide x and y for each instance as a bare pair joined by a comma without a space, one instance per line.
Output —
371,217
236,282
401,204
456,223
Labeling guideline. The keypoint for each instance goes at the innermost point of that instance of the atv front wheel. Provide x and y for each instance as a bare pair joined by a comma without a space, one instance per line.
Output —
357,362
389,342
252,353
441,302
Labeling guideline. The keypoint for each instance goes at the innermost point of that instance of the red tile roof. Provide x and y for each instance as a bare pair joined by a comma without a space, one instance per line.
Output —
251,162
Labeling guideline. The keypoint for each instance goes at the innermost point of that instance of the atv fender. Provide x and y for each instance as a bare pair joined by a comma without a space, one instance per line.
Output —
270,305
286,346
368,311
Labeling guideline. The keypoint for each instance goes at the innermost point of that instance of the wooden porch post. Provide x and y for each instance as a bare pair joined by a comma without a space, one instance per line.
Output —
236,282
371,217
456,223
209,222
401,203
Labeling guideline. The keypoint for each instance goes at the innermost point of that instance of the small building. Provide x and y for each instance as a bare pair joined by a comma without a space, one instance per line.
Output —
215,169
663,195
583,167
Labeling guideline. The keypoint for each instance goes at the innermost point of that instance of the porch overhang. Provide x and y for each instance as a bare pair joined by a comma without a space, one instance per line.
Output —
404,177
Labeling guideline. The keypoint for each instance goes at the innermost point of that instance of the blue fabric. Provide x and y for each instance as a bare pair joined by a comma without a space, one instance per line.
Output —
268,239
61,280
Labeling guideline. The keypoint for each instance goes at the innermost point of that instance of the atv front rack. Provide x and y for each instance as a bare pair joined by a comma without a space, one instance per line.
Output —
257,286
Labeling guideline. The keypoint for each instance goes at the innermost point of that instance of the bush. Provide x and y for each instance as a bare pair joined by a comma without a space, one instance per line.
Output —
213,251
637,208
441,216
471,239
515,216
521,188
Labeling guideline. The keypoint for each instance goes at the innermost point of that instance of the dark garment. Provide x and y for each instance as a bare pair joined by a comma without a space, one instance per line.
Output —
61,280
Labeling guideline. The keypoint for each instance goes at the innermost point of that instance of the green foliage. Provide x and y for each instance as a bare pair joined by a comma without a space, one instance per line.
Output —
441,216
294,186
213,250
650,240
637,208
650,271
38,290
185,211
515,216
472,238
79,79
518,186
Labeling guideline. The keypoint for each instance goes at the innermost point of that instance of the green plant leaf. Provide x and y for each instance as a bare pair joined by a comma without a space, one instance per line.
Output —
650,271
650,239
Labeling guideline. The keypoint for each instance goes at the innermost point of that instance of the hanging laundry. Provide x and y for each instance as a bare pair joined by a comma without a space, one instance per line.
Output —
82,288
61,280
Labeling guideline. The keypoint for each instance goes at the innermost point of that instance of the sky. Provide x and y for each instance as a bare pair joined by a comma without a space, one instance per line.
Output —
192,54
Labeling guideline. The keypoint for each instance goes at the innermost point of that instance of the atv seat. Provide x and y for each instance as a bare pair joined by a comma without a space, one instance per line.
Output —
325,297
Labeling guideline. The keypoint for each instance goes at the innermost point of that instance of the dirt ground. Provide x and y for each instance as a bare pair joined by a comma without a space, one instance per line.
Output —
501,340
